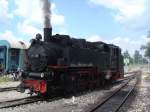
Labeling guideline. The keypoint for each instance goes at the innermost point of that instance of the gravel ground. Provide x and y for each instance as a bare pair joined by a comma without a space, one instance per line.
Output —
10,95
9,84
74,104
139,101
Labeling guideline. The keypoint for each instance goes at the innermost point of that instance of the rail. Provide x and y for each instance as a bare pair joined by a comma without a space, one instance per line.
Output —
105,104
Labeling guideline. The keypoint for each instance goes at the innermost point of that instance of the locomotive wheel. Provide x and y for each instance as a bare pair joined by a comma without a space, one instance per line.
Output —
70,85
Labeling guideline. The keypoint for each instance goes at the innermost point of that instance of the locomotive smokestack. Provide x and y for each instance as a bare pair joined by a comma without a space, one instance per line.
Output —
47,20
47,34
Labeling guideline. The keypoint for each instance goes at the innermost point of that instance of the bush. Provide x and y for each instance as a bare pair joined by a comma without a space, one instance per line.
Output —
4,79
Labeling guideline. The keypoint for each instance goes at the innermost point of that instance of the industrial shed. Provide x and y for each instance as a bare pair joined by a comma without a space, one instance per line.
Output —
12,55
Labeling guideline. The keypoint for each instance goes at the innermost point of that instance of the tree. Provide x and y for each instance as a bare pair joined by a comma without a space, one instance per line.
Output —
145,61
138,58
146,48
148,36
126,55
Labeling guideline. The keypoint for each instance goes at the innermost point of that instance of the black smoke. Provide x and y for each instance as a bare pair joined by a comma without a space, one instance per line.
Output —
47,13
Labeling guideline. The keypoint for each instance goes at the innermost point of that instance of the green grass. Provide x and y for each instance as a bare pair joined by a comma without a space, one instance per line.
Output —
4,79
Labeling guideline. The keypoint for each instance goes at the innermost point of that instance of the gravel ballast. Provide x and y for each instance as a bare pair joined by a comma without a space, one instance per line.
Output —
73,104
9,84
139,100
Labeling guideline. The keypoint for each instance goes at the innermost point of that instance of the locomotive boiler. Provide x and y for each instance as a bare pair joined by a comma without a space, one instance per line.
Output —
62,63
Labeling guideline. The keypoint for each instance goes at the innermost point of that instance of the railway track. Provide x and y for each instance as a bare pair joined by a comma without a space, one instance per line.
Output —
28,100
113,101
18,102
15,88
24,101
8,89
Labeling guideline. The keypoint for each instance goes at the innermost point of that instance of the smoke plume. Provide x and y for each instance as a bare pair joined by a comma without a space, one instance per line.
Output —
46,13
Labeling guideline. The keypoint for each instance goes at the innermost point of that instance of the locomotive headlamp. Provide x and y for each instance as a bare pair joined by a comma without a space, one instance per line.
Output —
42,75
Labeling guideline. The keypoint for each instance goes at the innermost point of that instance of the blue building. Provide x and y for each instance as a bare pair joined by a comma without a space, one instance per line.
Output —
12,55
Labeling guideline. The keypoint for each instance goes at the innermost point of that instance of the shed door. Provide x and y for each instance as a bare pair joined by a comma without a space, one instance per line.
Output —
14,59
2,58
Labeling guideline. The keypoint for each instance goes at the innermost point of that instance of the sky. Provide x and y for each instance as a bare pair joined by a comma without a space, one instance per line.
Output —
121,22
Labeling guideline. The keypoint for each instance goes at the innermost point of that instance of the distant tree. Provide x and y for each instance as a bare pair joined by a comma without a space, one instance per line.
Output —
127,55
145,61
148,36
138,58
146,48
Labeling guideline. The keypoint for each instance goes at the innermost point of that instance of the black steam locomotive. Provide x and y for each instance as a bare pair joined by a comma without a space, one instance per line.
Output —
69,65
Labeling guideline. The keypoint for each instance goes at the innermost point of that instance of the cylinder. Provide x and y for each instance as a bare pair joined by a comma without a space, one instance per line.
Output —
47,34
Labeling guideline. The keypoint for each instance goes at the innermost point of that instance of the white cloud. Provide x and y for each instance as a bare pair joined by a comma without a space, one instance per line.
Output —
8,35
132,13
95,38
123,42
28,29
4,11
127,44
58,19
32,10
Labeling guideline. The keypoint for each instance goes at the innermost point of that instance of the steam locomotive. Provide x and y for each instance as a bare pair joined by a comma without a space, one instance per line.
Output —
62,63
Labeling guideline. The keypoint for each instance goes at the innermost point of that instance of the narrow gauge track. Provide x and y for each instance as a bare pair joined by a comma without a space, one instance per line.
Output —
8,89
15,88
115,100
28,100
24,101
134,74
